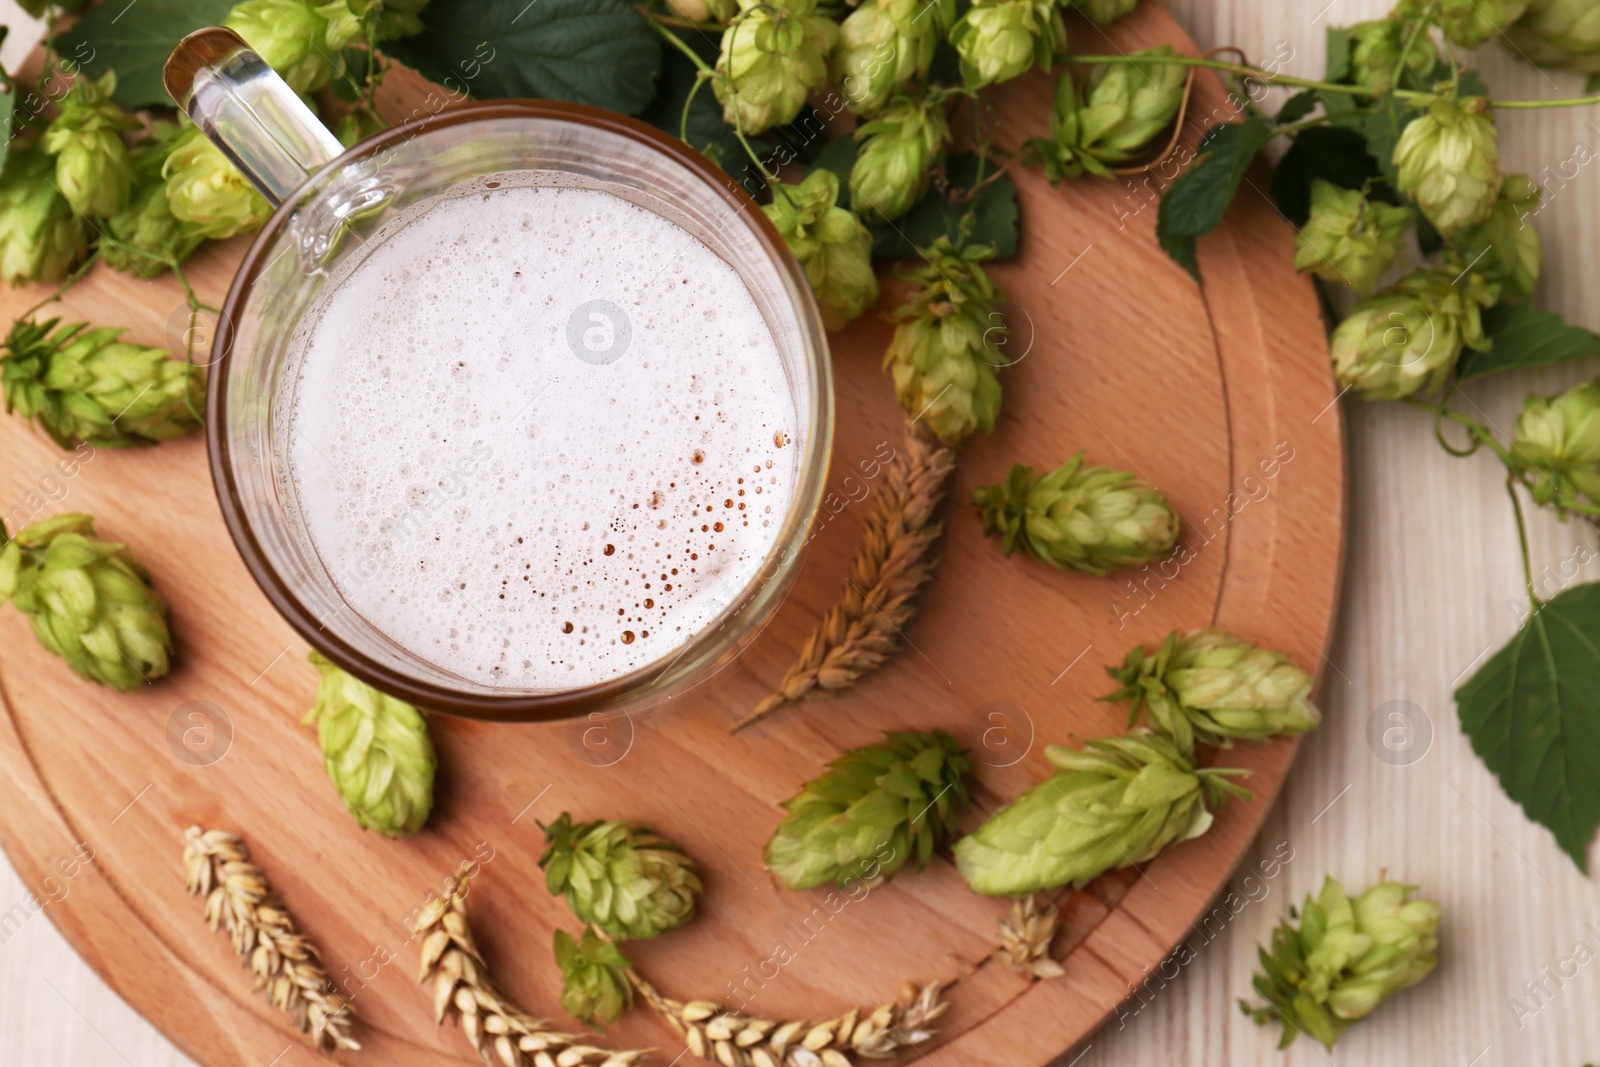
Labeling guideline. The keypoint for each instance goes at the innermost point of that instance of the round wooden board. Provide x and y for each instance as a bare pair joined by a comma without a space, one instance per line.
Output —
1218,394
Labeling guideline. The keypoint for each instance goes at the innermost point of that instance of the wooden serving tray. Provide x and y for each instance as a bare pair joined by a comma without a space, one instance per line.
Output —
1220,395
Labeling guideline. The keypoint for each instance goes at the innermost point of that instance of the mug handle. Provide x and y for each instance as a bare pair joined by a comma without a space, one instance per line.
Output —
248,112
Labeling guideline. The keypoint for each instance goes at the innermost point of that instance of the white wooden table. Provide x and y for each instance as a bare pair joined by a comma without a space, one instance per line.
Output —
1433,585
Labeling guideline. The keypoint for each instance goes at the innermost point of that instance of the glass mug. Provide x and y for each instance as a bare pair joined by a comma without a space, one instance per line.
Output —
331,205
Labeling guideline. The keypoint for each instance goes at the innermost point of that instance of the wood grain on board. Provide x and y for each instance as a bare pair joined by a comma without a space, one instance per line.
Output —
1219,395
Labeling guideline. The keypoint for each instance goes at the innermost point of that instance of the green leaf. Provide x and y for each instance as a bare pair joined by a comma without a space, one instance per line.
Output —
1335,154
135,40
839,156
598,52
1338,68
940,211
1533,716
706,129
1297,107
8,104
1524,336
1195,203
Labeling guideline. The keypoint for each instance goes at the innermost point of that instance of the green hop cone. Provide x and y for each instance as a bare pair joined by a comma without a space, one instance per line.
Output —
773,54
626,880
1375,50
874,809
1348,237
831,244
946,343
1564,34
89,601
1212,688
1505,248
1116,802
1448,161
998,40
152,234
93,168
291,37
1079,517
1409,338
41,237
376,750
1101,12
1111,117
1467,23
85,385
883,44
1343,959
207,192
897,154
1557,443
349,20
594,977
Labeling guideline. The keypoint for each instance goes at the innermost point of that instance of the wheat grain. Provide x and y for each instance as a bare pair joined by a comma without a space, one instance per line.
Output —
731,1039
892,563
286,966
1025,937
503,1034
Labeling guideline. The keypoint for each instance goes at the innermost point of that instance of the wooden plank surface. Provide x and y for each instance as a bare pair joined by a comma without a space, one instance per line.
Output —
1431,571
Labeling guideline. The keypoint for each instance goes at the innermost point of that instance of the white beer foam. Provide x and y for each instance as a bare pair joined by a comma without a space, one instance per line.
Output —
515,511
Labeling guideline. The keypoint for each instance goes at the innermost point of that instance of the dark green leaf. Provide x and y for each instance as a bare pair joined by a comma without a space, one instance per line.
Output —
1338,68
1471,84
598,52
1297,107
135,40
1533,716
1524,336
1195,203
1335,154
706,130
839,156
8,103
940,211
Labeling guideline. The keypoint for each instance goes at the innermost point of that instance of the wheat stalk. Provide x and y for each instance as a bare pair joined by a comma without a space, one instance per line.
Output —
502,1033
1025,937
286,966
714,1033
892,564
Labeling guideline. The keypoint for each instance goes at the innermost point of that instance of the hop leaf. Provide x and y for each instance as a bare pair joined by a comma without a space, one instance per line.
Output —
152,234
998,40
206,191
897,154
1505,248
831,244
1448,161
89,601
946,343
1110,117
874,809
594,977
773,54
1343,959
883,44
620,876
1079,517
1349,238
1115,803
1209,687
376,750
85,385
1410,337
93,169
41,237
1557,442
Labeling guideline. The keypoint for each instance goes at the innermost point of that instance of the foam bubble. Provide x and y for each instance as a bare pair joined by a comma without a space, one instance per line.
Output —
503,508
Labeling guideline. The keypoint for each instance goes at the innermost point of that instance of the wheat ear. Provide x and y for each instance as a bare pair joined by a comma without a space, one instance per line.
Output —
714,1033
892,564
286,966
503,1034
